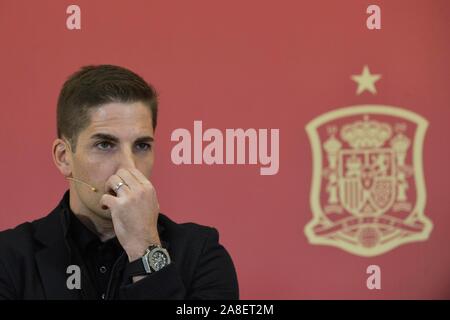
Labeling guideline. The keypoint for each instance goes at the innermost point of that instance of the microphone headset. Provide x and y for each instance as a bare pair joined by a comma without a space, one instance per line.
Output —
93,189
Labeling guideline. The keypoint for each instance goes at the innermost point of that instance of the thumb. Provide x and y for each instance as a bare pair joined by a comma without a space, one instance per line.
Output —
107,201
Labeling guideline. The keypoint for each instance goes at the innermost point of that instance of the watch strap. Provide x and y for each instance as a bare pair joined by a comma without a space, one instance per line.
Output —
135,268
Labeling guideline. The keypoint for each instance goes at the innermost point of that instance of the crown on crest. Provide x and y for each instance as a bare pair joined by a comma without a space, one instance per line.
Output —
366,133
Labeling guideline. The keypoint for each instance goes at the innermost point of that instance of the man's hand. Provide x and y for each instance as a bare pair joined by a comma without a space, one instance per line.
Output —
134,211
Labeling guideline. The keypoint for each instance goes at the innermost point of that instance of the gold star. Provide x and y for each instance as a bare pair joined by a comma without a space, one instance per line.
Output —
366,81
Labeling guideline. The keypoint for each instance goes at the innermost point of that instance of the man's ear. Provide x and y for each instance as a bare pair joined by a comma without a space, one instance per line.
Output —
62,157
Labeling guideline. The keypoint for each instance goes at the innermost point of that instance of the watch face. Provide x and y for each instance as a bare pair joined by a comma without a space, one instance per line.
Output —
158,259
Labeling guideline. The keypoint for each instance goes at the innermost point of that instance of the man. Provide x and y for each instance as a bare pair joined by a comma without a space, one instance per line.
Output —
107,229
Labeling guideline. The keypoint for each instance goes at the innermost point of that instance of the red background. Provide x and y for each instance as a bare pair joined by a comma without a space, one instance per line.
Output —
240,64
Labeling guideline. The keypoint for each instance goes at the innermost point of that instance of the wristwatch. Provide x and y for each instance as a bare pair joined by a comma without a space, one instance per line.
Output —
154,259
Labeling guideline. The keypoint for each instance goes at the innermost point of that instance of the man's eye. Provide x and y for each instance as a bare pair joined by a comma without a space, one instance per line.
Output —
104,145
143,146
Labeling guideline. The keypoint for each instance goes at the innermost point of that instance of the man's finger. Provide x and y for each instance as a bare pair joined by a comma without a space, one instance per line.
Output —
139,176
129,179
108,201
112,183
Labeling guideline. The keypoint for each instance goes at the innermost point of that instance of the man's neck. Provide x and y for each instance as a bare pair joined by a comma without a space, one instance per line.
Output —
102,227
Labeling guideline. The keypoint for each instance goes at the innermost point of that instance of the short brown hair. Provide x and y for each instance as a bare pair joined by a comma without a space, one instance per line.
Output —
93,86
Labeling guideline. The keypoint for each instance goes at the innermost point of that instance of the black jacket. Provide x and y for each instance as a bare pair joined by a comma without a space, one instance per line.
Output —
34,258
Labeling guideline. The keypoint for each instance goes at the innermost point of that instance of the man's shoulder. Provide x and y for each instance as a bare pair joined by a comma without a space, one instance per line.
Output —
192,245
187,231
22,236
17,242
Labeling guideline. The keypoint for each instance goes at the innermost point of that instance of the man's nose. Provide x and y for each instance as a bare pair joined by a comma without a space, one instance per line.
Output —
126,160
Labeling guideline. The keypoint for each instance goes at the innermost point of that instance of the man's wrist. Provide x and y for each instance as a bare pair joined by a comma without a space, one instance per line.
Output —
137,251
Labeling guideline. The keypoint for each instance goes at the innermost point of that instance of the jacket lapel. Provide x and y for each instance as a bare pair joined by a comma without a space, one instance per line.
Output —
52,261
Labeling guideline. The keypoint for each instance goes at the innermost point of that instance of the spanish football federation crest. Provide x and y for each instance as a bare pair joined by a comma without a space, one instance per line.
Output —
368,190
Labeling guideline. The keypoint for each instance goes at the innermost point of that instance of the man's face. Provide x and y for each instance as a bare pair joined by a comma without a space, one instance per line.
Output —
119,136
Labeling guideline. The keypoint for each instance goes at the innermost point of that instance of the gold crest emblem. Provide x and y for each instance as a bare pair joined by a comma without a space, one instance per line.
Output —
368,190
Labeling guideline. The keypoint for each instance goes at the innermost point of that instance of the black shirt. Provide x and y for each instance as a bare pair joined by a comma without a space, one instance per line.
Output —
96,257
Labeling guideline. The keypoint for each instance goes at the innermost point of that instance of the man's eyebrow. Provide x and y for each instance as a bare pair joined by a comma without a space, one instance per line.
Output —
109,137
145,139
104,136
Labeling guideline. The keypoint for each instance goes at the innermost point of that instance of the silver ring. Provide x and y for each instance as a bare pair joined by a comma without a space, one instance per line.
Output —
119,185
